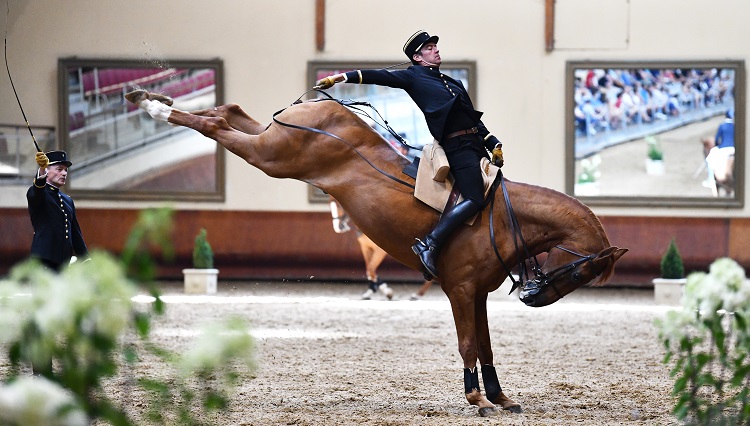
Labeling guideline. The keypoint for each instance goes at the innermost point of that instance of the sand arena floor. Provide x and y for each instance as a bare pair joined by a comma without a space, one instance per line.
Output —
325,357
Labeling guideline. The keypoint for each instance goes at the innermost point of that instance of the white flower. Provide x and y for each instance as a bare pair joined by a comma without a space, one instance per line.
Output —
96,293
676,325
723,288
15,304
218,346
37,401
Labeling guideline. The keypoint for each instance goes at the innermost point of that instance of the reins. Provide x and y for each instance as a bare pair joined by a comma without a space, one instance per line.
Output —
516,234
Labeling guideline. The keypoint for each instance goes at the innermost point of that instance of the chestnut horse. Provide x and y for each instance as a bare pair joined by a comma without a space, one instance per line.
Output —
327,145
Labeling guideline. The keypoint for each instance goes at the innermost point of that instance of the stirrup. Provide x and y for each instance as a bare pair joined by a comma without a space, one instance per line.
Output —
420,247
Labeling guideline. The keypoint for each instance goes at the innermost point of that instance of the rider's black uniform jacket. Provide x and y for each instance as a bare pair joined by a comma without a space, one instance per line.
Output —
444,101
57,235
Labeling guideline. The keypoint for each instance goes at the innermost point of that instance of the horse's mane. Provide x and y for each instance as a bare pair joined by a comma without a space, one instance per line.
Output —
596,223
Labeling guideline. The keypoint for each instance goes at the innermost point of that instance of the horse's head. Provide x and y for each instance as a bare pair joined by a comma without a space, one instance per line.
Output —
565,270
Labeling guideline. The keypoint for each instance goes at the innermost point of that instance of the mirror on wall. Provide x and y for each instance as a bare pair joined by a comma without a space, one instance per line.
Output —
118,151
394,105
655,133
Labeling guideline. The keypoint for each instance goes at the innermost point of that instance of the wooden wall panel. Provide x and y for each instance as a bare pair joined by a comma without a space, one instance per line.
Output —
299,245
699,240
739,241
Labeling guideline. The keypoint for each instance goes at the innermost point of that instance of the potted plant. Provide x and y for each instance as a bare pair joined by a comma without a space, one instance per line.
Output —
655,157
668,289
201,279
587,181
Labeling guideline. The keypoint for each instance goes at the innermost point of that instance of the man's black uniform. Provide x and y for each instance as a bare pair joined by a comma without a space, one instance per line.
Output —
454,123
57,235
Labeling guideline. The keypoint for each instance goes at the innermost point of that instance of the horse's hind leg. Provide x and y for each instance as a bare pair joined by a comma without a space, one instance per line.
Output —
492,389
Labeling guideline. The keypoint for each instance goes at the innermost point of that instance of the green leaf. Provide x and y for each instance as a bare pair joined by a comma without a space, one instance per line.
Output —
130,354
740,321
215,401
680,385
154,386
142,324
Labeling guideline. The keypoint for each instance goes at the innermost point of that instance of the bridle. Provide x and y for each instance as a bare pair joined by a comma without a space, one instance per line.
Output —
543,279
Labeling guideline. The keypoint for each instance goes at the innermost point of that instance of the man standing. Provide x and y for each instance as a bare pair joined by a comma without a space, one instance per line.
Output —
57,235
452,121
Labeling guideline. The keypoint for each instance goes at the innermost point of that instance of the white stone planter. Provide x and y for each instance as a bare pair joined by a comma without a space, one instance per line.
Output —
200,281
655,167
668,291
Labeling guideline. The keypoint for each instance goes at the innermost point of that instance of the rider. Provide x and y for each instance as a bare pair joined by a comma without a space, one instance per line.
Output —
452,121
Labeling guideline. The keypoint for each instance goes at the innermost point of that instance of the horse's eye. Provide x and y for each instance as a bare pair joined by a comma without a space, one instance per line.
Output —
576,276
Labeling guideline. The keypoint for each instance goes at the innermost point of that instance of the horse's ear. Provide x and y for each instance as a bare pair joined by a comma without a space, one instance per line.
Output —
610,252
605,261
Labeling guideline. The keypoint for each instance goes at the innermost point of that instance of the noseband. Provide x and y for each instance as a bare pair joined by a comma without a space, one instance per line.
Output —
543,279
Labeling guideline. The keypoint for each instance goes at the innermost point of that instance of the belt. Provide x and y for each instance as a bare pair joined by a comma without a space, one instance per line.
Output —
461,132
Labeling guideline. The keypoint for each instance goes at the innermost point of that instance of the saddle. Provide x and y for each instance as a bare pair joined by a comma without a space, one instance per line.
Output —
434,185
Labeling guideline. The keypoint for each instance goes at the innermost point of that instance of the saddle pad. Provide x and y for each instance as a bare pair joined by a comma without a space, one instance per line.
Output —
411,169
435,194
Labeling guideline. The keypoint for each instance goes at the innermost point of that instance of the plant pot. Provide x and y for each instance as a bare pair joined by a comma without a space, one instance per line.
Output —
655,167
200,281
668,291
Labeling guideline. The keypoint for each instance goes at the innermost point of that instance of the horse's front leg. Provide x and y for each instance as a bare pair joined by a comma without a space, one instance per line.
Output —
235,116
462,305
492,389
216,128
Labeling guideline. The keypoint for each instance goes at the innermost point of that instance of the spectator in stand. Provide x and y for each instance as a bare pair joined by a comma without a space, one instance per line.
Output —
633,109
659,102
616,113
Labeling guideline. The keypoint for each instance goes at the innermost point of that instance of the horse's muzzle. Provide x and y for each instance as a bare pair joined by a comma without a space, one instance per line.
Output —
530,290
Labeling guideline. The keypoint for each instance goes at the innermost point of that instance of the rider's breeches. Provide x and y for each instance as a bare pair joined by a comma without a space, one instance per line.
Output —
464,154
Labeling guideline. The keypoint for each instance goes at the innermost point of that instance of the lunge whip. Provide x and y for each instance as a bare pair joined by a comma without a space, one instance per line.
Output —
7,4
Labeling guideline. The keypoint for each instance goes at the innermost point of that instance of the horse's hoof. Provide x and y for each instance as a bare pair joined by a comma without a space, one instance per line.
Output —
488,412
166,100
139,95
515,409
136,96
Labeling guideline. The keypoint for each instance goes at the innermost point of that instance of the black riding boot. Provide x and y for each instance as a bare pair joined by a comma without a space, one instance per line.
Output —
429,248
